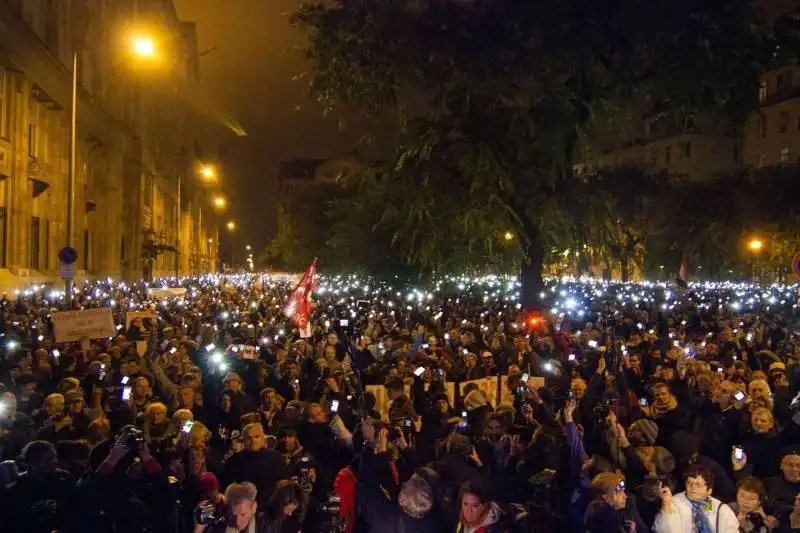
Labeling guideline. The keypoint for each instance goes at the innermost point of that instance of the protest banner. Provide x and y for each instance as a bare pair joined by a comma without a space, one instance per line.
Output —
130,316
506,396
487,385
166,292
382,401
72,326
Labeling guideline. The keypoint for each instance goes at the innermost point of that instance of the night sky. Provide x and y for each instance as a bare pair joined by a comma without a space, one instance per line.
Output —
250,75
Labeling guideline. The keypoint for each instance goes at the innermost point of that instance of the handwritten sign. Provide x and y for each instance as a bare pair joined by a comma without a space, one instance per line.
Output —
130,316
71,326
507,397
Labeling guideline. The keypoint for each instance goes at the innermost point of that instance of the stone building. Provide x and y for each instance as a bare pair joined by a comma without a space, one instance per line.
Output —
138,209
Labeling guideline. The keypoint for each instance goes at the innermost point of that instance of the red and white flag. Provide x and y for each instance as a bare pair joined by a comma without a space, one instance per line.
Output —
684,273
298,307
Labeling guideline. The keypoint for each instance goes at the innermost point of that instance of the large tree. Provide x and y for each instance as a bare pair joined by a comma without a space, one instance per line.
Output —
497,97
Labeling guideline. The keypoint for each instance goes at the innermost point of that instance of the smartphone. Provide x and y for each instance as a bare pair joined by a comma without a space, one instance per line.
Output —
334,406
187,426
125,380
739,396
570,395
56,354
571,358
441,373
464,415
738,453
547,367
344,322
525,378
102,374
126,394
419,371
447,336
425,346
592,344
643,402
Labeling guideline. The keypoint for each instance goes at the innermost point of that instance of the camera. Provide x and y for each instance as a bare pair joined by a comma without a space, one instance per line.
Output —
758,522
207,513
651,487
133,438
331,506
602,409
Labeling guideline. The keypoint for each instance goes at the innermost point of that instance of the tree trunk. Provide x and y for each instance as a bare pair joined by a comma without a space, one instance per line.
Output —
531,278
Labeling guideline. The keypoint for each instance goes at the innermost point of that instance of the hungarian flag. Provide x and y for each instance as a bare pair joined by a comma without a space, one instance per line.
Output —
298,307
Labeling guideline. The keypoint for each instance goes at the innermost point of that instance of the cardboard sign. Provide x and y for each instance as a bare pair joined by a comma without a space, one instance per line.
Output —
72,326
506,396
487,385
130,316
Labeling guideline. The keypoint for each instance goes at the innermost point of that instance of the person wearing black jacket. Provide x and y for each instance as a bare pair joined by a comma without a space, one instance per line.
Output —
257,464
412,511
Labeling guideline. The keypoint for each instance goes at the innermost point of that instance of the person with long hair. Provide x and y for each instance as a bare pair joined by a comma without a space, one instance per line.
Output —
286,510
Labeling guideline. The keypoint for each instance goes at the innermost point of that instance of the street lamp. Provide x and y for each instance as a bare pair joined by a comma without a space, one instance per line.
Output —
248,247
144,47
508,236
755,245
220,202
231,225
208,172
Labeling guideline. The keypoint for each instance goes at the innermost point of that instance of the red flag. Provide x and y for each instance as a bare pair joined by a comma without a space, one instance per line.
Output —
298,307
684,273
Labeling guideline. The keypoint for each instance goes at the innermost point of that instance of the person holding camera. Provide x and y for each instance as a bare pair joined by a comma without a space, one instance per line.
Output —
749,507
694,511
236,514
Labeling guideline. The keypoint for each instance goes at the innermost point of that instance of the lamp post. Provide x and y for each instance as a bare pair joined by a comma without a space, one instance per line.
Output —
755,245
143,47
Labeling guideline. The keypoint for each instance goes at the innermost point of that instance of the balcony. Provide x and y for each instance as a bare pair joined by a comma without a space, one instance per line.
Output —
774,97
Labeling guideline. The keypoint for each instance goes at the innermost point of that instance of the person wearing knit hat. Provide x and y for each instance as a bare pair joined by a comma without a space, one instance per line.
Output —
643,432
233,381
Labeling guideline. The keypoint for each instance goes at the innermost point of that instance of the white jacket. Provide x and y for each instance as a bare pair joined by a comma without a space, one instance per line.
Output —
680,520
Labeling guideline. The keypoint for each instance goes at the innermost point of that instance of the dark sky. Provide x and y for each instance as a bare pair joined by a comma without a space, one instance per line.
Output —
250,76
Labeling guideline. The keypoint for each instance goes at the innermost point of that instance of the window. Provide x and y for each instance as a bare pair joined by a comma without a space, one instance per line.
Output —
689,123
4,103
761,160
35,234
762,126
86,250
668,154
784,155
783,123
32,140
653,157
785,81
3,234
763,91
46,244
686,149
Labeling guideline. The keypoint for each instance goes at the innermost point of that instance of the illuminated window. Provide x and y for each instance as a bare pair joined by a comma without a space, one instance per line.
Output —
785,155
763,91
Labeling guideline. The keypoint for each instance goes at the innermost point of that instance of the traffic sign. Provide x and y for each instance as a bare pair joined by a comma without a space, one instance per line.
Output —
67,271
68,255
796,265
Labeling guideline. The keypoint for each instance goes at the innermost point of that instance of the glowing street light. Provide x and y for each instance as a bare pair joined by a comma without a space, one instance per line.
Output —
248,247
508,236
144,47
231,225
755,245
220,202
208,172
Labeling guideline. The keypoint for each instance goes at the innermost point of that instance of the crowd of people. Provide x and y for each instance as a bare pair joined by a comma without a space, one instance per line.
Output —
209,411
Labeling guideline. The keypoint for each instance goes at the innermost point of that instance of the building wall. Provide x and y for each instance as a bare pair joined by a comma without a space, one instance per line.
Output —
772,135
135,150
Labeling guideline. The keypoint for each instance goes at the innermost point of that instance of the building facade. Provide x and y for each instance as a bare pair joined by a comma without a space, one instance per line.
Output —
137,212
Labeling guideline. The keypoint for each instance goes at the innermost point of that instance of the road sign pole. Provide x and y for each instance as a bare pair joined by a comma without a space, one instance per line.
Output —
67,257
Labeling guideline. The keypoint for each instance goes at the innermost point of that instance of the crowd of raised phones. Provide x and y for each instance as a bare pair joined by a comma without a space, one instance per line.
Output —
209,412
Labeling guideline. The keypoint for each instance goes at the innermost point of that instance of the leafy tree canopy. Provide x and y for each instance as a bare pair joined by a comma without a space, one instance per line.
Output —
497,98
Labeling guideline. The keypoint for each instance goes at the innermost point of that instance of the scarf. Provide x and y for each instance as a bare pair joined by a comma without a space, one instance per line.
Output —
699,519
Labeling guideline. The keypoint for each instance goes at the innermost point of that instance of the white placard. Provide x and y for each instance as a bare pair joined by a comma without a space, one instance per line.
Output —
71,326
